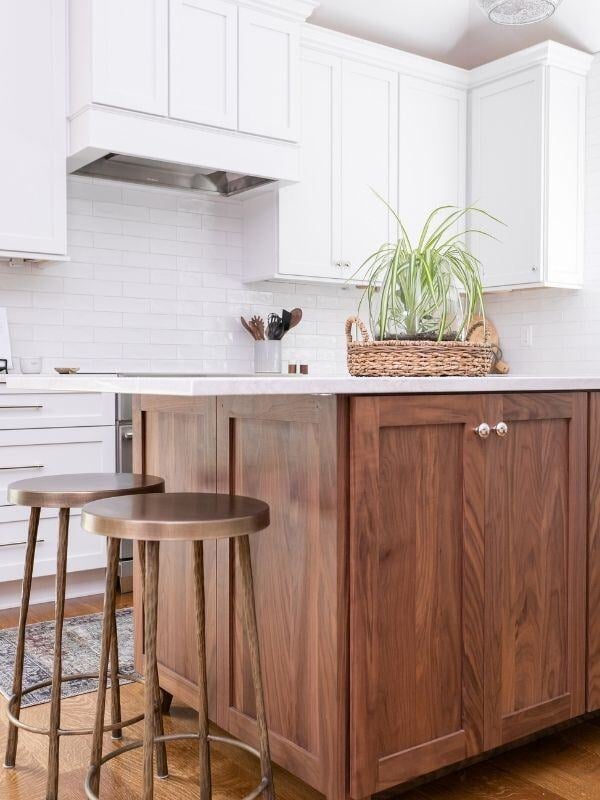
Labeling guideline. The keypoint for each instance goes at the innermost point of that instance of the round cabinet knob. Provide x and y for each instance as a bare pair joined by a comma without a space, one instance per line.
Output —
483,430
347,264
501,429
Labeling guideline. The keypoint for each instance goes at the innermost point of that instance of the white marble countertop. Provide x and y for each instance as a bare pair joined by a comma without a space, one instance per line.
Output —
224,385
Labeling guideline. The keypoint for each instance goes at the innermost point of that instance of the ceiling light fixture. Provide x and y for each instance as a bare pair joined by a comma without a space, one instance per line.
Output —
518,12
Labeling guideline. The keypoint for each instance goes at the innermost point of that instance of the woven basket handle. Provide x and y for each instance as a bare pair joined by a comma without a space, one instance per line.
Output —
361,327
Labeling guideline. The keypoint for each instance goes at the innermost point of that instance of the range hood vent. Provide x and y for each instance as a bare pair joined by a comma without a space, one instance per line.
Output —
174,176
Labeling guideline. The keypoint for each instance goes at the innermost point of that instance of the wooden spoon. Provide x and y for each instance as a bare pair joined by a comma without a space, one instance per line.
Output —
296,316
253,333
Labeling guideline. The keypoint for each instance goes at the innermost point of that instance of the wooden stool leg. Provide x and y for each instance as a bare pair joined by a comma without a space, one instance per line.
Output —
243,544
109,612
205,778
162,767
61,581
13,731
152,708
115,689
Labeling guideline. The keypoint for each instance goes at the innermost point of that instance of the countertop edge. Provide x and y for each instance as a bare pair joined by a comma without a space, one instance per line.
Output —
295,385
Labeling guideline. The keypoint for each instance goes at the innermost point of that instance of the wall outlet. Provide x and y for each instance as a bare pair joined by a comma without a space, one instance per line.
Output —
527,336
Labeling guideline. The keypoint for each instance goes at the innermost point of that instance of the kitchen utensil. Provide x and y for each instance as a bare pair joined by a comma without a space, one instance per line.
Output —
275,327
259,325
296,316
477,330
249,328
67,370
286,319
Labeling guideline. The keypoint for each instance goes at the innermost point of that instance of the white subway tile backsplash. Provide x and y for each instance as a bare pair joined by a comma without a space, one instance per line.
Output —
154,282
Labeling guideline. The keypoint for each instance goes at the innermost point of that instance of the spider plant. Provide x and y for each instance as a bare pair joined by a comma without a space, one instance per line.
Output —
427,290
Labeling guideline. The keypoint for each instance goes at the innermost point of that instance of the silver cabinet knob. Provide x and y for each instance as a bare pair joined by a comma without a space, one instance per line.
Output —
339,263
483,430
501,429
346,263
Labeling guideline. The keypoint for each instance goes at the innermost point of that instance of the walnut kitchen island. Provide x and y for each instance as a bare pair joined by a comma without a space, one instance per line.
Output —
422,591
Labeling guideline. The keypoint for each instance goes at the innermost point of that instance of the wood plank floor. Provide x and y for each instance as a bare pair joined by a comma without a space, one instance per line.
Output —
564,766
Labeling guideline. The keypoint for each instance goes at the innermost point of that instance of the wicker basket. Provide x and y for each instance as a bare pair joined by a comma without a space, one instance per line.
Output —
414,358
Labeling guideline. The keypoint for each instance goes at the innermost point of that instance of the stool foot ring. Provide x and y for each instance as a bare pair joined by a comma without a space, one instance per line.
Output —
71,731
175,737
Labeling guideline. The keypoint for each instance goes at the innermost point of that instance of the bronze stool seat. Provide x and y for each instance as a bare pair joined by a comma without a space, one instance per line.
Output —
150,520
63,492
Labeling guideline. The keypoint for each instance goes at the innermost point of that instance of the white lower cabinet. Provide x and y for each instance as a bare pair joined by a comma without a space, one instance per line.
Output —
35,452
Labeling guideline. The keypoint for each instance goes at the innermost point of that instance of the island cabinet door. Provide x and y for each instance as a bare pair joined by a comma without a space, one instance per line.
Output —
417,472
535,564
175,437
287,452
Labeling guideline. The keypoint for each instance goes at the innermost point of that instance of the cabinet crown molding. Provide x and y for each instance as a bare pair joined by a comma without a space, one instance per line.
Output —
297,10
549,53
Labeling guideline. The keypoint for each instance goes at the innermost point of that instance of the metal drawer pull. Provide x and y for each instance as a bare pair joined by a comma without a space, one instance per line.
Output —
5,408
128,435
18,544
25,466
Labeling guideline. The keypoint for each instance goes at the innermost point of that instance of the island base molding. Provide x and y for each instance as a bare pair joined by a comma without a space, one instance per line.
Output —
425,593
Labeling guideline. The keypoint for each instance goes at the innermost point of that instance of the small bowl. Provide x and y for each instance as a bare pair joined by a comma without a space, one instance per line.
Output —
31,365
67,370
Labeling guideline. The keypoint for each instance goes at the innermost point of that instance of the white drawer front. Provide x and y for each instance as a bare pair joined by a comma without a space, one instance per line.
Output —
55,410
29,453
86,551
32,453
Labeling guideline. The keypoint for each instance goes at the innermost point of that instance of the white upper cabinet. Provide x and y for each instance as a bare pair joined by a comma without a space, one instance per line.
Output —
526,163
432,150
369,161
119,54
269,61
203,62
313,204
33,221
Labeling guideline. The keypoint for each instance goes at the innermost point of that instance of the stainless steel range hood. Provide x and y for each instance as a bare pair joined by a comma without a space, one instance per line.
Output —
175,176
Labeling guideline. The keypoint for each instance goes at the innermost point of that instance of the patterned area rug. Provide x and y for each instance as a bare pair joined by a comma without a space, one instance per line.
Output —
81,654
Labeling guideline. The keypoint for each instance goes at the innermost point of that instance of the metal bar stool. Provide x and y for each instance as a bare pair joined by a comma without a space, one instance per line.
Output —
63,492
178,517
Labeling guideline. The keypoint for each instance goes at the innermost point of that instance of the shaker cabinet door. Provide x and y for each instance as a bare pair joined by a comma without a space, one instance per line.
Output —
203,62
269,63
309,210
535,556
507,169
33,213
432,150
416,586
130,54
369,161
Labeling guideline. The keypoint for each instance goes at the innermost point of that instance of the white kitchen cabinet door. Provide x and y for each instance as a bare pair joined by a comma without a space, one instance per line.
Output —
269,62
432,150
203,62
33,220
130,54
309,211
369,161
507,176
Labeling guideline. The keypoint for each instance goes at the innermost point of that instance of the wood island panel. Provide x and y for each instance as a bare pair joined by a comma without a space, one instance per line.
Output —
287,452
176,437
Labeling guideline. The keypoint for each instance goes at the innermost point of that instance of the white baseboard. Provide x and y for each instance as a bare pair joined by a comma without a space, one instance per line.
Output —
79,584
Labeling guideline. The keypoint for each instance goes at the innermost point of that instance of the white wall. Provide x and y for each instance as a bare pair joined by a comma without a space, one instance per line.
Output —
565,324
154,283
